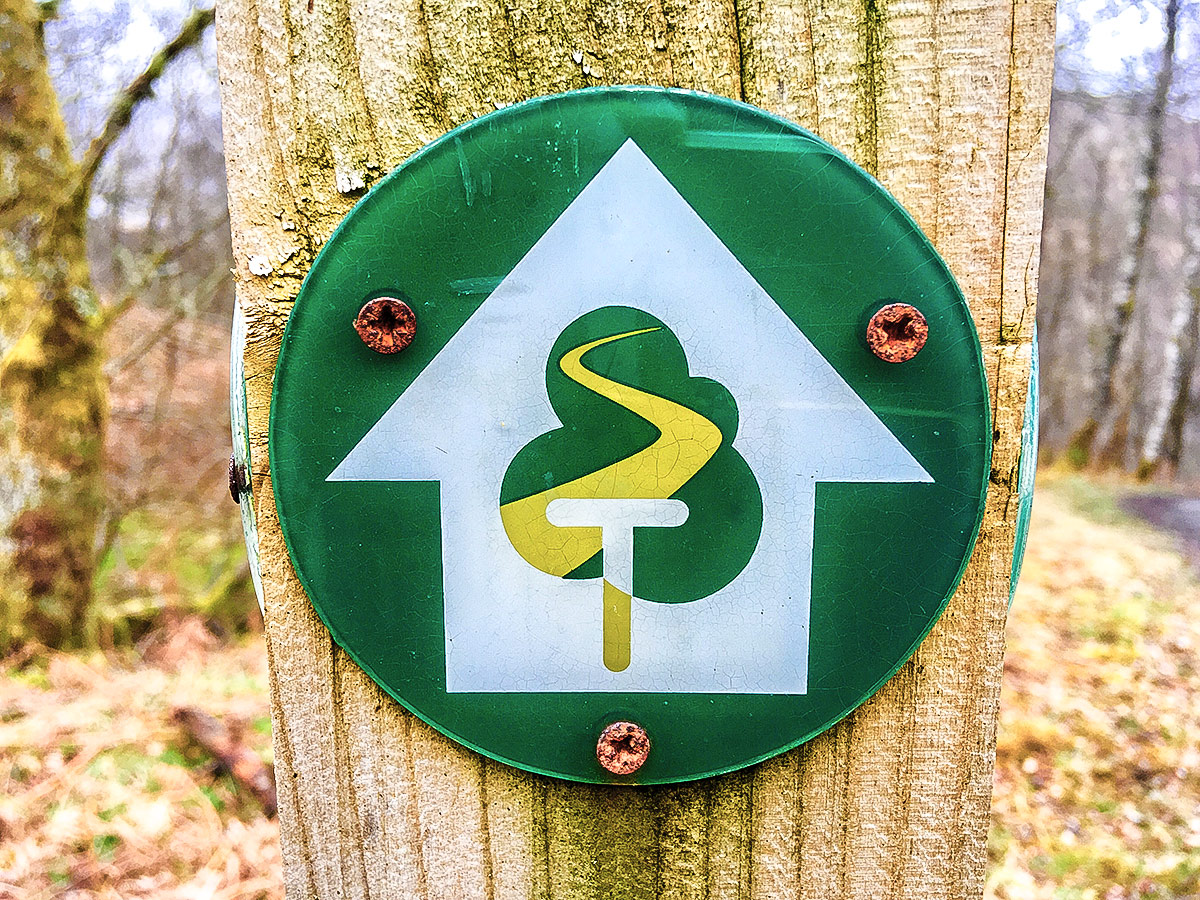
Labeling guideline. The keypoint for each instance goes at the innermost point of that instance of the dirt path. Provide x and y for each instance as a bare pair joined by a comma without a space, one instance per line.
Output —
1176,513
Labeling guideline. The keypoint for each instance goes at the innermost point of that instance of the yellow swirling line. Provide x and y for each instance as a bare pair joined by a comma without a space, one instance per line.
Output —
686,442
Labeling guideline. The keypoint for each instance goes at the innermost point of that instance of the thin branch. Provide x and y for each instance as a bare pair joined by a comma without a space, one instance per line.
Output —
150,273
219,222
135,92
235,757
210,290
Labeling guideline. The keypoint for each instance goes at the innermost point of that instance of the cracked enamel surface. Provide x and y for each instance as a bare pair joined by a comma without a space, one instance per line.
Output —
511,626
415,494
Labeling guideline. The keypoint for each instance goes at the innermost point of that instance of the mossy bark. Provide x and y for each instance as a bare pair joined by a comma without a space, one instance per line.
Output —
53,395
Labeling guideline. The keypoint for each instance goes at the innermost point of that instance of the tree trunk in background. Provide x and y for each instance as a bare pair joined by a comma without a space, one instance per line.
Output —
1108,429
53,392
1172,450
1188,340
53,397
1169,414
946,104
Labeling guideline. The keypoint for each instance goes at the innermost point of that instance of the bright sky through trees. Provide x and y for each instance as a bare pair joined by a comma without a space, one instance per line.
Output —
1116,37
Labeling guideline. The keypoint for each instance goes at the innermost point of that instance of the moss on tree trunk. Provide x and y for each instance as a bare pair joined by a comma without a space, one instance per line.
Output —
53,395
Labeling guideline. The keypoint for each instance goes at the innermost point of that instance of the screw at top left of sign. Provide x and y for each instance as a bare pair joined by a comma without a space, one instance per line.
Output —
386,324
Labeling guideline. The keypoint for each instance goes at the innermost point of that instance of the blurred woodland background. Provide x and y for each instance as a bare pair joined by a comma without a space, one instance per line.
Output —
133,719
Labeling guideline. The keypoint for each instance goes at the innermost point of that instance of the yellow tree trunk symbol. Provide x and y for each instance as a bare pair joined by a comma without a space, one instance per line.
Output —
617,517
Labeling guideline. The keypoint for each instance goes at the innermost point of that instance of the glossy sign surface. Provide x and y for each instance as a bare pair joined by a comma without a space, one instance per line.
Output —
637,463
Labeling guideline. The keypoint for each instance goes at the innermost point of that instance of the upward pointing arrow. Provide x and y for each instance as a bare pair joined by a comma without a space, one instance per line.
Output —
628,239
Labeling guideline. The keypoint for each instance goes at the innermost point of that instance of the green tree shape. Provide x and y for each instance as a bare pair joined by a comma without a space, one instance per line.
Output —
671,565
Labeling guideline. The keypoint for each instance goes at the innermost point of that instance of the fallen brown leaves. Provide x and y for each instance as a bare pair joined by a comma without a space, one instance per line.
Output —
1098,764
1097,788
102,795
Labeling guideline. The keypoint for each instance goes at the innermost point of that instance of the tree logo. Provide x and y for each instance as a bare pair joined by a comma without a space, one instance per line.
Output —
641,487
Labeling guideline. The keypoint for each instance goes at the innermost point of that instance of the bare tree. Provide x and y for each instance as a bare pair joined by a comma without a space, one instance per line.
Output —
1103,437
1164,439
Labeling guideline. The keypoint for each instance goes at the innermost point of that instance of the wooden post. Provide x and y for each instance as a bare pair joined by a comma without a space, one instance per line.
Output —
947,105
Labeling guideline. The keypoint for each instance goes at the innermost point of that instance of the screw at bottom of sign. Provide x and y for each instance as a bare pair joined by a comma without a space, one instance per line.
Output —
623,748
897,332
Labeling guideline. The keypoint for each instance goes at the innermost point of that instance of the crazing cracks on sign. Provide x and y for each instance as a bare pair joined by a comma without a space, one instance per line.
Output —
557,535
722,601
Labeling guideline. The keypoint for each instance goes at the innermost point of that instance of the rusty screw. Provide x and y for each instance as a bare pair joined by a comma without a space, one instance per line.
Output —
623,748
897,332
386,325
238,482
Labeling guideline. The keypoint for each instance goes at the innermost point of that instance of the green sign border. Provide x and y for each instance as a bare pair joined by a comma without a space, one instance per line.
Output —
695,735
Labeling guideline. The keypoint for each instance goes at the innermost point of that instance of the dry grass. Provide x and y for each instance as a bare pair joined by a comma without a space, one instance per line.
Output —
102,796
1098,764
1097,789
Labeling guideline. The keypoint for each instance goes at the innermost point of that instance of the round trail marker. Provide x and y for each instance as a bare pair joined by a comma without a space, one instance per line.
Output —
638,463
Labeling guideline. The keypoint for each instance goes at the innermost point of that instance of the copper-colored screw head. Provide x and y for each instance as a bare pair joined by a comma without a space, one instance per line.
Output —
897,332
386,325
623,748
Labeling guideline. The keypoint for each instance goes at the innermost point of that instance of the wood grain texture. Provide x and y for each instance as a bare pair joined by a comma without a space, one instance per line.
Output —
946,103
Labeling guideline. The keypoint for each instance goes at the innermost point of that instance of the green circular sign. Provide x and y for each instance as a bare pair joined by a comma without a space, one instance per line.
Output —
639,462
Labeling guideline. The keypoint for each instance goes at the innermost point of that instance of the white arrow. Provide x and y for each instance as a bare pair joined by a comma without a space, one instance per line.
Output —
629,239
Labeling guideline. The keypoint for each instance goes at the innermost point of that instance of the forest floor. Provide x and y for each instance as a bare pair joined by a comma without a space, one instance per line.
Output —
1097,788
103,793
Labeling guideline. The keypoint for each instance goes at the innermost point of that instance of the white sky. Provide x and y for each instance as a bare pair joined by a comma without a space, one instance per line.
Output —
1116,41
142,37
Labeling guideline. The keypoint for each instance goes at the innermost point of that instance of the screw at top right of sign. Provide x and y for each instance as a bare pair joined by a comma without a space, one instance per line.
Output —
897,332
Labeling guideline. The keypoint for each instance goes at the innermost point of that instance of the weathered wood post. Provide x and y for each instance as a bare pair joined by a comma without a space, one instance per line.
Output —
946,104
